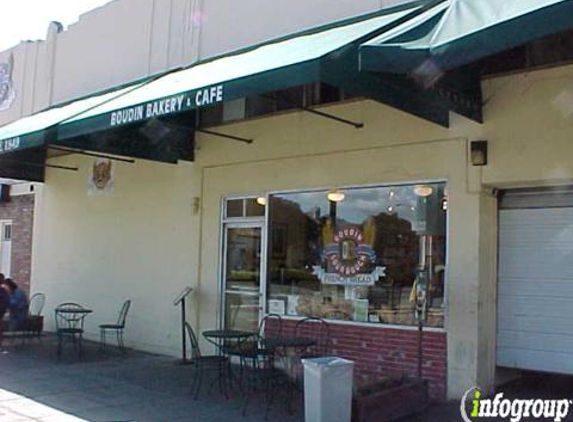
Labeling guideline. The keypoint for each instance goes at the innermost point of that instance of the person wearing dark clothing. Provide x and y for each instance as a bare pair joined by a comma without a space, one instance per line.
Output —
4,304
4,300
18,306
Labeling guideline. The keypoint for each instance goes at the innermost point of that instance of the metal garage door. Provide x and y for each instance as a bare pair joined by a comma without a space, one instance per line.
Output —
535,285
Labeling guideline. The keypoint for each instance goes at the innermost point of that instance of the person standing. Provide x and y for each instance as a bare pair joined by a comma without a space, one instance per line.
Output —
4,304
18,306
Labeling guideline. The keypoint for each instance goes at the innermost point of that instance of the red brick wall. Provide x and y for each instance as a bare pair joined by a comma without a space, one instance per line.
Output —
20,210
389,352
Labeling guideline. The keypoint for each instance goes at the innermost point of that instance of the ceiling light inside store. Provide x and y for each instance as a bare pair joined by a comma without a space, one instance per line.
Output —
423,190
261,200
334,195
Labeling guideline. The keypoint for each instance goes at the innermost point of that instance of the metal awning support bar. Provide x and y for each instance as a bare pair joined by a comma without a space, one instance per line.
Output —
332,117
91,154
356,125
224,135
27,163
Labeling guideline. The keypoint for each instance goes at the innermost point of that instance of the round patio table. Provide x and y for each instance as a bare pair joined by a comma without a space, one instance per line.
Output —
75,311
221,338
226,334
226,341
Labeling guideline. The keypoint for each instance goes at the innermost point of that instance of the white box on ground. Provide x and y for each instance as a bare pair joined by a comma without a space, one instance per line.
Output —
328,389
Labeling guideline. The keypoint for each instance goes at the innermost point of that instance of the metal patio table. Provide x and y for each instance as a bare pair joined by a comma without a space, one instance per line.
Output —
226,341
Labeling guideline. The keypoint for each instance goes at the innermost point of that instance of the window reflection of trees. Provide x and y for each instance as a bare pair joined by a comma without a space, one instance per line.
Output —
390,232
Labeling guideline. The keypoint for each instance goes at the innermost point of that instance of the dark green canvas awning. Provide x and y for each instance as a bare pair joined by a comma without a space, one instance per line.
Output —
284,63
459,32
155,119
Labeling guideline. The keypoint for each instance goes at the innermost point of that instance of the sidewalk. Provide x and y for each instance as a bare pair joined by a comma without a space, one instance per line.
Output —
140,387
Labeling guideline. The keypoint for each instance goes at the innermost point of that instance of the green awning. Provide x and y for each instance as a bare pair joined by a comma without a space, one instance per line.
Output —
459,32
33,131
280,64
155,119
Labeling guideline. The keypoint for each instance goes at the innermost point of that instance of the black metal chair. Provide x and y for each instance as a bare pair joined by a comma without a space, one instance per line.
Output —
70,326
317,330
270,327
210,362
259,373
118,327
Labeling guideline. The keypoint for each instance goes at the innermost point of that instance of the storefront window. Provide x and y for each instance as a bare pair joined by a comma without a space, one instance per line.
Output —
360,258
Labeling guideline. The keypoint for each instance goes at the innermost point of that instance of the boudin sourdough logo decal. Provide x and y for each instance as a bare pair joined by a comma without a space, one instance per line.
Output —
101,178
7,93
475,407
349,261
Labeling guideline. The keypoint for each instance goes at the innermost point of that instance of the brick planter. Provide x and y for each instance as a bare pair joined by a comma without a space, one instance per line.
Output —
389,400
389,352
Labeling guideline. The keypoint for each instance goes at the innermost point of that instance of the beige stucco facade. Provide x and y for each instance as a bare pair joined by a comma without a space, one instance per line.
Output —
144,241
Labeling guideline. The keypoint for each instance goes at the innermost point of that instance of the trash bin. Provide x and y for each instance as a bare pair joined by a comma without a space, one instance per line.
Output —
327,389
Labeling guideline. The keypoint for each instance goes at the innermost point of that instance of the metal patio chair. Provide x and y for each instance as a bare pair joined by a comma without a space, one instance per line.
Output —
202,363
35,320
70,319
118,327
270,327
317,330
259,374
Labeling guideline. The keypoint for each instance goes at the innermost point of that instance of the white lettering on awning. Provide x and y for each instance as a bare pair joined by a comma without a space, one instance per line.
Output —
209,96
165,106
128,115
9,144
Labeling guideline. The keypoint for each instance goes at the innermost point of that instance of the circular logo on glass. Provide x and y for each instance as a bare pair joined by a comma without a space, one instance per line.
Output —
349,255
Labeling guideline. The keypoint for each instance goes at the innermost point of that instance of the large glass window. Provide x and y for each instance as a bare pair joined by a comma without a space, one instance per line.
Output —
358,254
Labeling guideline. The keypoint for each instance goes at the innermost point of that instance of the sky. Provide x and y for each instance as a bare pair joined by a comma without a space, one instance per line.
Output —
29,19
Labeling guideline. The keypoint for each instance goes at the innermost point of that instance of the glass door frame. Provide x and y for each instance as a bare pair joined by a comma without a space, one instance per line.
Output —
242,223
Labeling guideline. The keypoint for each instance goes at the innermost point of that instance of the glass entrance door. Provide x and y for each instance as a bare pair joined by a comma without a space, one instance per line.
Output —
242,277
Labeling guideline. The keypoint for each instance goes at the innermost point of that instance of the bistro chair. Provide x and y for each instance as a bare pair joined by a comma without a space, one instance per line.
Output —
118,327
317,330
259,375
270,328
70,326
202,363
35,320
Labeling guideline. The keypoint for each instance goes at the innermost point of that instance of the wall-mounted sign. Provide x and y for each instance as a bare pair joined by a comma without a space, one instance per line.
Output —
348,260
101,179
7,93
167,106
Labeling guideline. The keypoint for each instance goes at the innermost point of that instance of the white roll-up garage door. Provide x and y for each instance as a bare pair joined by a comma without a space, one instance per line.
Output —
535,285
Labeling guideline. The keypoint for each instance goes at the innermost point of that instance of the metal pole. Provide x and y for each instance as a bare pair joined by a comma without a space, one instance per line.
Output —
91,154
224,135
183,320
420,348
